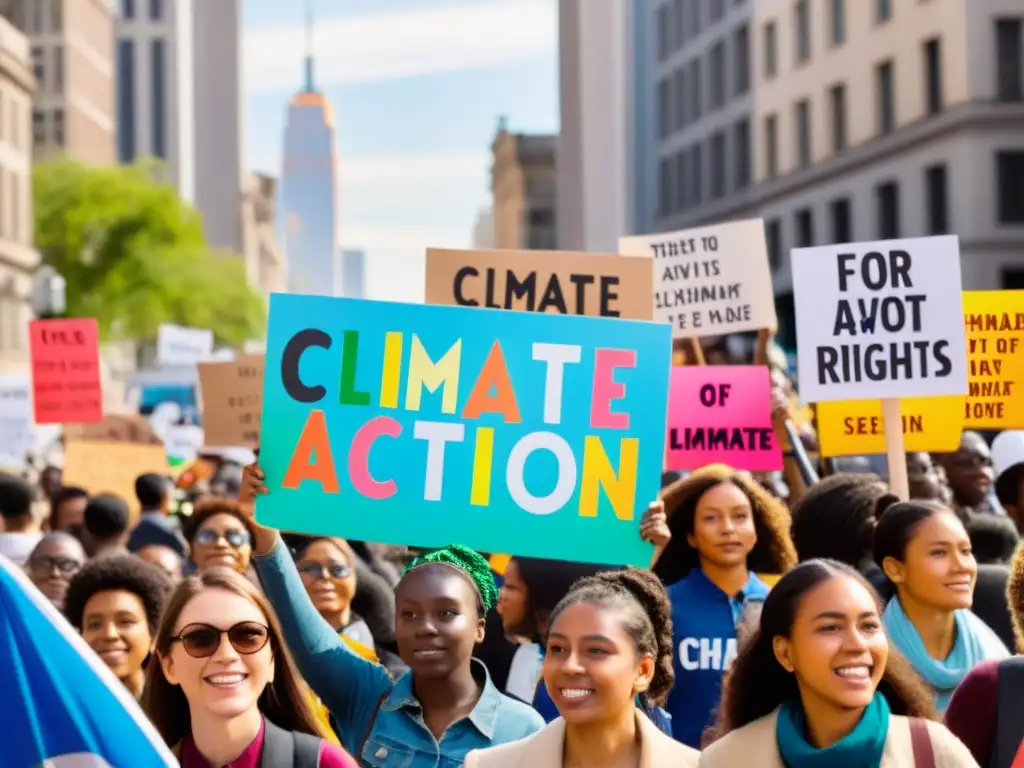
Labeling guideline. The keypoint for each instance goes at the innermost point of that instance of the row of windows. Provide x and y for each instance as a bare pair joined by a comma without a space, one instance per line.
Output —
48,127
49,78
681,20
43,17
156,10
126,69
681,177
680,95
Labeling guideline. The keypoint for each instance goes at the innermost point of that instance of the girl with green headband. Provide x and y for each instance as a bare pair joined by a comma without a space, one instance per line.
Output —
446,705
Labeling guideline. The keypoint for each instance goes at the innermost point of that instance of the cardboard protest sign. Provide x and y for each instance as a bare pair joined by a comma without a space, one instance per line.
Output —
565,283
880,320
17,430
232,395
722,414
109,467
180,346
520,432
709,281
66,371
856,427
995,356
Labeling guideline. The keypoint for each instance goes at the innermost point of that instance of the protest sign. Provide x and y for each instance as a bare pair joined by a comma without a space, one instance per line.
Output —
111,467
520,432
856,427
17,431
880,320
232,396
995,355
709,281
565,283
722,414
66,371
180,346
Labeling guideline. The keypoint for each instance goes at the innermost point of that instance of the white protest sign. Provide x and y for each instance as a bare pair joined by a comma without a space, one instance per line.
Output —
880,320
709,281
177,345
17,428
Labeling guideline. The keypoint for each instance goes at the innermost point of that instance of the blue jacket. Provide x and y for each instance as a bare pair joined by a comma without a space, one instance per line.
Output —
704,621
363,701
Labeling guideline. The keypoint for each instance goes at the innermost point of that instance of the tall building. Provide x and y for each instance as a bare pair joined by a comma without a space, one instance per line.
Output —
309,189
353,269
155,76
18,259
597,154
264,260
523,190
844,121
72,59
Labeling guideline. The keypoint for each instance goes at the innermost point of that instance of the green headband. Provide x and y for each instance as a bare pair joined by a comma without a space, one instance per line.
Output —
469,562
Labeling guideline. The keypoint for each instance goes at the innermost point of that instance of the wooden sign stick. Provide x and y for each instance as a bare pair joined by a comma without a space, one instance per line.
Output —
896,453
698,351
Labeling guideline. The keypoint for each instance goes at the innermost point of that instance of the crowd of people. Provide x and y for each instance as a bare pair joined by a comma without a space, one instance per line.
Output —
782,623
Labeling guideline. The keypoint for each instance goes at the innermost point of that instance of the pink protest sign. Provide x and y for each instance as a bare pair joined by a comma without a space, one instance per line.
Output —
721,414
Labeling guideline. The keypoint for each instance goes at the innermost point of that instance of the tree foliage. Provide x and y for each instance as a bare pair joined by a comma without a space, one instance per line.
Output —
134,256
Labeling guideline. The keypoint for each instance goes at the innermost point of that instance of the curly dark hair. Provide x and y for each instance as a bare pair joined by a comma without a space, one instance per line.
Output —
1015,595
209,507
836,517
118,572
639,598
773,552
756,683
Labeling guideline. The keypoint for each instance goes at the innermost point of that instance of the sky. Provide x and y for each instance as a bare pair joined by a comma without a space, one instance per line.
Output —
417,87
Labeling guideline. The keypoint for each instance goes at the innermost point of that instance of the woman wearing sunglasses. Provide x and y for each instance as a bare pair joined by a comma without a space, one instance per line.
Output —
219,535
328,570
226,691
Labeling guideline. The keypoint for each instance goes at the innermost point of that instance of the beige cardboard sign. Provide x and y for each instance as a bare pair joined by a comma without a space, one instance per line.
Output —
232,397
560,282
111,467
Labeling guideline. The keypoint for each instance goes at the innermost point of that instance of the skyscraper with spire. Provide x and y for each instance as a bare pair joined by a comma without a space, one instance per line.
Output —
308,207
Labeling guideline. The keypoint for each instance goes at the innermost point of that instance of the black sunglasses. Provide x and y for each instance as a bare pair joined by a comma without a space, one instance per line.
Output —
333,570
235,538
203,640
64,565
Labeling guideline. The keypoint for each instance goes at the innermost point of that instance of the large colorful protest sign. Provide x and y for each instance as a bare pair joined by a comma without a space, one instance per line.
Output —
995,355
519,432
856,427
721,414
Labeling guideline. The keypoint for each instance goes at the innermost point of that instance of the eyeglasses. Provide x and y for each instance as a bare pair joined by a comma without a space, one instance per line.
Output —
64,565
333,570
234,537
202,640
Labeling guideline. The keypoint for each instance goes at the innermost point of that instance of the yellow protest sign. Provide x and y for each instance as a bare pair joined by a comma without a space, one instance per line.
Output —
854,427
994,321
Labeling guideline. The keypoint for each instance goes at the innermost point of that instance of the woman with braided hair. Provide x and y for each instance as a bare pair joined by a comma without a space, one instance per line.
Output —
446,705
608,661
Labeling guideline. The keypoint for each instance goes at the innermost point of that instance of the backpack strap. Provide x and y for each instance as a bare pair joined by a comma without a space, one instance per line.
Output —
278,747
307,750
1010,713
921,741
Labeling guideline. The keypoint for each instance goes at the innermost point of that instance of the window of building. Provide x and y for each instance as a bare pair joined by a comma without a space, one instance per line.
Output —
156,10
127,9
802,13
802,113
741,59
842,221
158,94
771,51
718,165
125,84
56,15
58,127
718,75
804,221
771,146
664,109
38,127
933,75
741,151
887,197
58,68
38,66
679,14
937,199
773,240
885,98
883,10
679,98
663,31
837,108
696,95
35,19
697,174
664,187
1009,59
1010,183
717,10
682,196
837,27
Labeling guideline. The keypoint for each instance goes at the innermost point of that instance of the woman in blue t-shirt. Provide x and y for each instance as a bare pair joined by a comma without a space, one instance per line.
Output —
720,530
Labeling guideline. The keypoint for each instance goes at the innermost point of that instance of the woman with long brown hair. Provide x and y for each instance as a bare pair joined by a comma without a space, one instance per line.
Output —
224,690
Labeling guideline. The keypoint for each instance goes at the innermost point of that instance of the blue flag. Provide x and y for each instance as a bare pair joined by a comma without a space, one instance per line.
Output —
62,707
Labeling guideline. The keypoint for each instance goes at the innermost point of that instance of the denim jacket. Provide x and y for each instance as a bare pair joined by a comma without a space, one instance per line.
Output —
364,702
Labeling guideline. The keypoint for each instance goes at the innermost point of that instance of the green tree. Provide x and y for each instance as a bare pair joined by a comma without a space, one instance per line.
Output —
134,256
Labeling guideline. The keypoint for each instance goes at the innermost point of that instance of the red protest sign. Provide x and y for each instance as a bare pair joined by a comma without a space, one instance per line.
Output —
66,371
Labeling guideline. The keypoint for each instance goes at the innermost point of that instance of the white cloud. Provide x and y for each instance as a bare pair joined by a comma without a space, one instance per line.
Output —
379,46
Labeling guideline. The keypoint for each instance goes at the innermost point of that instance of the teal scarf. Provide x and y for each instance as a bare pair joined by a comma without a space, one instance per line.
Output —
861,748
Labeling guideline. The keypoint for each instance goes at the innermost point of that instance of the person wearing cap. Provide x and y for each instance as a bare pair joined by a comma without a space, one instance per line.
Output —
1008,458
